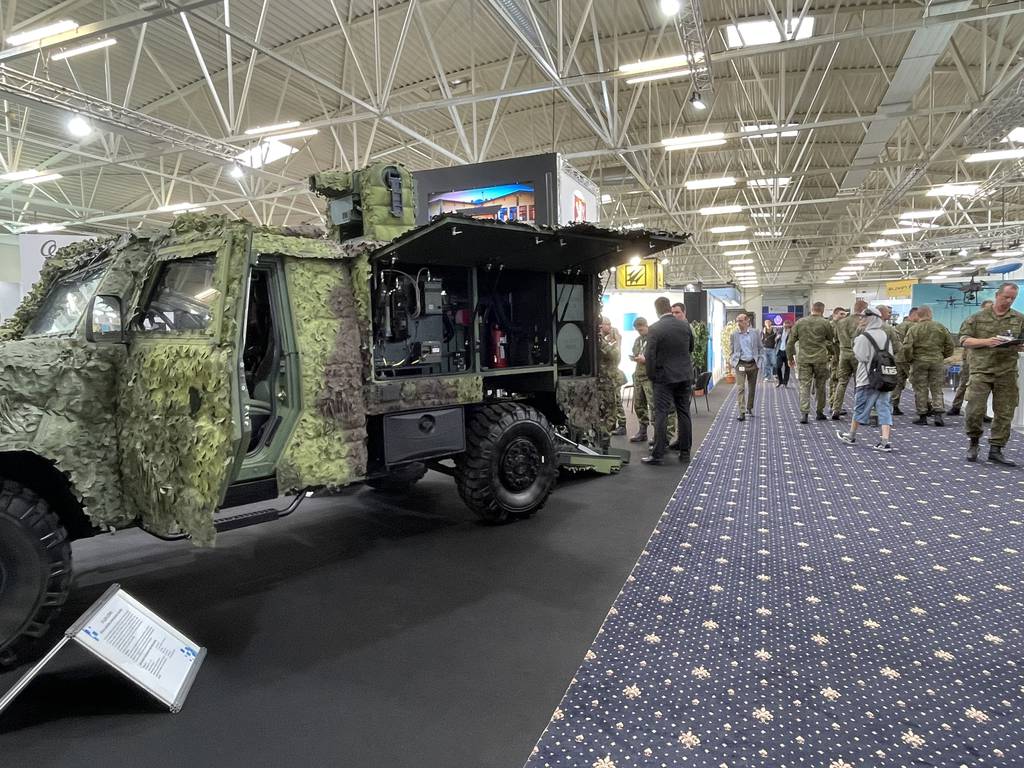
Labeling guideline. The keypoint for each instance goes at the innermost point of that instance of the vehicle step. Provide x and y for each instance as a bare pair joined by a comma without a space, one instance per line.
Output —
245,519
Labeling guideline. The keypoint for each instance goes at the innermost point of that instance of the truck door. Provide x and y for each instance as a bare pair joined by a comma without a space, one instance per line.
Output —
181,425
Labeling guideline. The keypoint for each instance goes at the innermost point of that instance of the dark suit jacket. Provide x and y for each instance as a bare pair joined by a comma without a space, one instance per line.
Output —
669,349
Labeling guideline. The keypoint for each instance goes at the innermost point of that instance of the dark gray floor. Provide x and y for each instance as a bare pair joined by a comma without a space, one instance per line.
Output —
362,631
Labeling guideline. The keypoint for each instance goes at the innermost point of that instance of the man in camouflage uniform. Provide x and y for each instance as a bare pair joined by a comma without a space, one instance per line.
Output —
817,340
607,385
902,366
845,330
965,375
993,371
607,329
833,362
928,344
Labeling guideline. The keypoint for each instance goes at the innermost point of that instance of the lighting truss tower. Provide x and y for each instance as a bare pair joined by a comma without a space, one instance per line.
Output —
694,37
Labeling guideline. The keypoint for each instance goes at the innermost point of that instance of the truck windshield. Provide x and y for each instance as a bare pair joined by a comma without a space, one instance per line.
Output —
65,304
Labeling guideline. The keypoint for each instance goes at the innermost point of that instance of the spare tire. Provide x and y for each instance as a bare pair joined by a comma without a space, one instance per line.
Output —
35,571
509,466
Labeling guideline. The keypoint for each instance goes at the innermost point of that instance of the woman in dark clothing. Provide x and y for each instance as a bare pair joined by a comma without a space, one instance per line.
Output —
768,341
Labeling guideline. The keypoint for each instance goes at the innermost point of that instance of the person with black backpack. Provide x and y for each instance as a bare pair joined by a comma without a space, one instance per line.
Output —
876,379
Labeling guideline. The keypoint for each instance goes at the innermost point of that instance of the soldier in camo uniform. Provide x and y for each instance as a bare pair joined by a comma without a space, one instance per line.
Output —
817,339
643,387
902,366
928,344
993,371
845,330
607,385
833,363
965,375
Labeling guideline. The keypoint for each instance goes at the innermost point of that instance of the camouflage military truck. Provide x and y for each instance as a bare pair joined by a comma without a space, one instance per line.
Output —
155,381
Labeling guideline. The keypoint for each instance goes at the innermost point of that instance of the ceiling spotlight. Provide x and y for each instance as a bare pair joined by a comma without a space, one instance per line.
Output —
635,261
696,101
896,256
690,287
670,7
665,260
963,252
79,127
236,172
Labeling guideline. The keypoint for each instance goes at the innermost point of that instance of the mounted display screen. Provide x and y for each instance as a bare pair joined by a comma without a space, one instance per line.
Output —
502,202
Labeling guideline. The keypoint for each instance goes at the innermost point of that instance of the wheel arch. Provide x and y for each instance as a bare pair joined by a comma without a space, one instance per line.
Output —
43,477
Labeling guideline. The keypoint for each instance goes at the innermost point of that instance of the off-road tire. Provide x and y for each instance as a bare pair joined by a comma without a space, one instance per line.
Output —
508,468
400,479
35,571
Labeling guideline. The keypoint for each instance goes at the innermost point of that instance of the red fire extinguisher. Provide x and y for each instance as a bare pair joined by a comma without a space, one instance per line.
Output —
499,345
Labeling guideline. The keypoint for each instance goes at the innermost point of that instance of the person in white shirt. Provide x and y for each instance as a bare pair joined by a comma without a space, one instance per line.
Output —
866,396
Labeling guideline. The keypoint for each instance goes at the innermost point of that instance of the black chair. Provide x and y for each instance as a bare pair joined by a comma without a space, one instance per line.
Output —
702,383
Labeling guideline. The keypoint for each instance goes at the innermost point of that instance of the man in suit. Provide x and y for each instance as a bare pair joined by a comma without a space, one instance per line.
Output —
670,368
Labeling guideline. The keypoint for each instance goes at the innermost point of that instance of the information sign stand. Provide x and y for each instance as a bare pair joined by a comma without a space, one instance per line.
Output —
129,637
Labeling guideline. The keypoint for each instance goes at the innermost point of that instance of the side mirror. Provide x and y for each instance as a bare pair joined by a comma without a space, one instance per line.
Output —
104,320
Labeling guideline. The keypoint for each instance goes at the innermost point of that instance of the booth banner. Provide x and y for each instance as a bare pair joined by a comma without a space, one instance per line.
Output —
33,250
779,318
639,277
900,289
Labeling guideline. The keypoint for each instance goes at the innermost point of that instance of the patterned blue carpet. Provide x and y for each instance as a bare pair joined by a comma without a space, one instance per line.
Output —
807,603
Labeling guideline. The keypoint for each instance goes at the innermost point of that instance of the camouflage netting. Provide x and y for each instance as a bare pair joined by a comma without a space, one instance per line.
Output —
411,394
327,446
579,401
57,402
375,198
176,436
66,261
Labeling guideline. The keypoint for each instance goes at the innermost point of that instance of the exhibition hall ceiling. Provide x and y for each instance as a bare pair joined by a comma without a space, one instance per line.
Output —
839,140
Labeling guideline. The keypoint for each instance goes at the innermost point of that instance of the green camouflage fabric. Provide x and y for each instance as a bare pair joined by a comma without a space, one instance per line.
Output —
845,370
993,372
375,198
643,406
928,341
902,366
984,325
965,375
815,372
846,329
609,355
327,445
927,379
425,392
579,400
901,331
639,345
833,363
816,337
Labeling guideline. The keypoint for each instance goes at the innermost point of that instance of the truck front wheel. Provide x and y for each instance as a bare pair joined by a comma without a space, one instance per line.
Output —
508,468
35,570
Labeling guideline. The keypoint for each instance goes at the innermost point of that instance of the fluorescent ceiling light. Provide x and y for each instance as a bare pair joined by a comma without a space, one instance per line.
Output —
293,135
635,225
1016,135
900,231
740,262
883,243
31,35
766,31
19,175
781,181
79,127
670,75
727,243
852,269
953,190
175,207
932,214
761,215
606,198
983,262
742,252
45,228
961,269
694,141
908,223
724,230
723,181
994,155
768,233
260,130
265,153
67,53
769,131
1013,253
870,254
714,210
43,179
938,278
655,65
